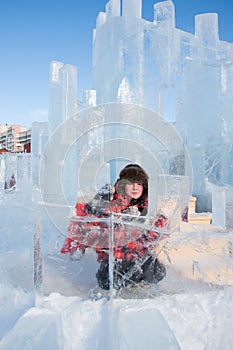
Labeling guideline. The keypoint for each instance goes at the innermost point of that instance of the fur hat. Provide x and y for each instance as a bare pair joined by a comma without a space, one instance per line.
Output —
134,173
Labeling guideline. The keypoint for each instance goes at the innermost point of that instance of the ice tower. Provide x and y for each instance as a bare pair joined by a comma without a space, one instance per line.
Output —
148,62
62,107
63,93
125,46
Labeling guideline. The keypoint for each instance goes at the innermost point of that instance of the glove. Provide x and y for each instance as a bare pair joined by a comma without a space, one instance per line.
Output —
99,205
77,254
133,210
105,193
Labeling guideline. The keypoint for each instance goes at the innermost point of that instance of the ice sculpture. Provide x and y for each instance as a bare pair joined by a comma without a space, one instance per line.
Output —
154,57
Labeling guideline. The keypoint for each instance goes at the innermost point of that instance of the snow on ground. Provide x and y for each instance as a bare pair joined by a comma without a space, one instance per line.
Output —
191,308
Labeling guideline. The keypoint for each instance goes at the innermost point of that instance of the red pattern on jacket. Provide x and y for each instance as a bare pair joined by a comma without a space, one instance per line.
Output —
129,243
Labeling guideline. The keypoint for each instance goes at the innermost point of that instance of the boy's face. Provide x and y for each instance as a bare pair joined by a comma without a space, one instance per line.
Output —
134,190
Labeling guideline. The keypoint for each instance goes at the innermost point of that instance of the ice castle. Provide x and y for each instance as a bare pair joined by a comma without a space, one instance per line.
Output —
187,78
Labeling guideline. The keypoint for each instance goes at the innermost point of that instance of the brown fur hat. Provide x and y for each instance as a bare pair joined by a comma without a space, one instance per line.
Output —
134,173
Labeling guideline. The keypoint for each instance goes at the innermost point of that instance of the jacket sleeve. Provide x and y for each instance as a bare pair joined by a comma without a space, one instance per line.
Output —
88,232
100,204
151,236
73,240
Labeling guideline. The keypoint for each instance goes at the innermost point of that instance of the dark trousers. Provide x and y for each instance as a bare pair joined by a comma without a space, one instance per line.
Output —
130,272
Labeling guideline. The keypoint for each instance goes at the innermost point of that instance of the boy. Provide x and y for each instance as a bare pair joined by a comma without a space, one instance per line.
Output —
133,249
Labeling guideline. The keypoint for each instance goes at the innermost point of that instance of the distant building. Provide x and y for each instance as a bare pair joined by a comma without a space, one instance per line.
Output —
24,140
14,138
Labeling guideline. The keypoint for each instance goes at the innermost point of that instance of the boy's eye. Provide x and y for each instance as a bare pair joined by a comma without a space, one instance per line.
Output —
134,183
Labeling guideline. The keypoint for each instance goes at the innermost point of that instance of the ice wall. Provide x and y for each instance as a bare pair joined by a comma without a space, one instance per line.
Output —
16,177
201,95
148,59
205,101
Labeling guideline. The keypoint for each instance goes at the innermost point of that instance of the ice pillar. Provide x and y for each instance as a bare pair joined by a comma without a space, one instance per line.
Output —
100,20
206,28
113,8
132,8
38,141
164,12
63,93
90,98
39,137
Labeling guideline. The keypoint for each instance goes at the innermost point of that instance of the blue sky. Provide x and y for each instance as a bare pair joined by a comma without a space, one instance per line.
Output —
35,32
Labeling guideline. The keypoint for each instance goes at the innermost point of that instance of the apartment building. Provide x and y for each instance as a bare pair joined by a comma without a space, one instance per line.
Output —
24,140
14,138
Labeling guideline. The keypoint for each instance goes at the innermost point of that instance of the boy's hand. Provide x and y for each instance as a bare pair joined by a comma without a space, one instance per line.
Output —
77,254
133,210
